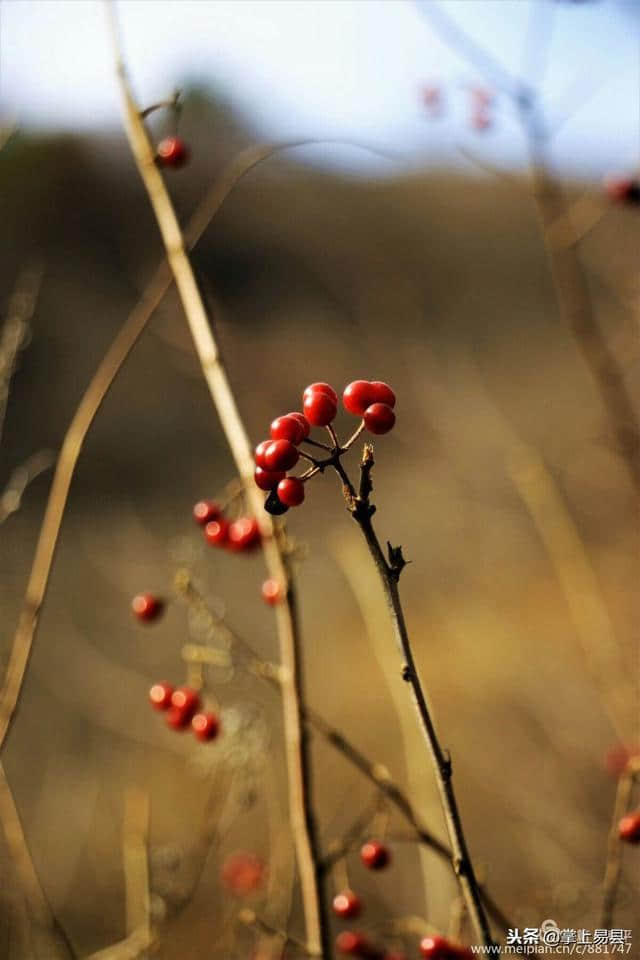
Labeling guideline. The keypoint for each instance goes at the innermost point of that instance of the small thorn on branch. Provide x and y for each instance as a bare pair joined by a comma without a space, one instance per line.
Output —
397,562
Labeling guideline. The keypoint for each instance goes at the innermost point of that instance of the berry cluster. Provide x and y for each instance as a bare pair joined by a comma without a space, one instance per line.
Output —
239,535
629,828
373,401
183,711
172,152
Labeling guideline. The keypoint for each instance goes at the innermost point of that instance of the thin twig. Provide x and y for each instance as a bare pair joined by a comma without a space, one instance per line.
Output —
613,866
136,863
389,571
317,934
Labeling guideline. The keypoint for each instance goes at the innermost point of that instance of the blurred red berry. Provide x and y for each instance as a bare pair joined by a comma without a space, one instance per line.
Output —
260,451
347,904
352,944
481,97
436,948
244,534
146,607
431,96
172,152
186,701
375,855
324,388
382,393
281,455
206,726
291,491
216,532
480,121
357,396
243,874
320,409
629,828
379,418
623,190
177,719
268,479
205,511
618,756
160,696
272,592
302,420
287,428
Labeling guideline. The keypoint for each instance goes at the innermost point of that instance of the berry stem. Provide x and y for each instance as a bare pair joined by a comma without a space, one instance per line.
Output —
334,438
317,443
317,934
389,571
613,865
354,436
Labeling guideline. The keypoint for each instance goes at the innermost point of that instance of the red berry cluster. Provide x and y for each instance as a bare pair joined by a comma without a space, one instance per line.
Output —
147,607
372,400
629,828
239,535
183,711
172,152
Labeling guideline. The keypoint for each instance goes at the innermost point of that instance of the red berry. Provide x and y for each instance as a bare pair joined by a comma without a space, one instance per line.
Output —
347,904
287,428
243,873
185,699
177,719
268,479
172,152
281,455
259,454
382,393
324,388
435,947
358,396
160,696
206,726
244,534
291,491
205,511
629,828
379,418
146,607
272,592
216,532
302,420
375,855
320,409
353,944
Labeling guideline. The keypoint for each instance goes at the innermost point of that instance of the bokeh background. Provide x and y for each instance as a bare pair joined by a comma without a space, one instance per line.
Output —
409,251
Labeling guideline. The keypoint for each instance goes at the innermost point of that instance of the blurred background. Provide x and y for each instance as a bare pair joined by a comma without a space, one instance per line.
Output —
408,249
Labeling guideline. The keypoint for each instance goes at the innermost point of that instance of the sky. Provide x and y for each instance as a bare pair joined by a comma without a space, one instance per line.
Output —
342,69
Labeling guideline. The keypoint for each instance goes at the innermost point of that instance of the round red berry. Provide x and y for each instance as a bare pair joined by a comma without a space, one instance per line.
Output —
243,874
268,479
382,393
436,947
206,726
244,534
291,491
375,855
629,828
281,455
272,592
160,696
302,420
177,719
259,453
347,904
172,152
324,388
358,396
216,532
186,700
353,944
146,607
379,418
320,409
205,511
287,428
